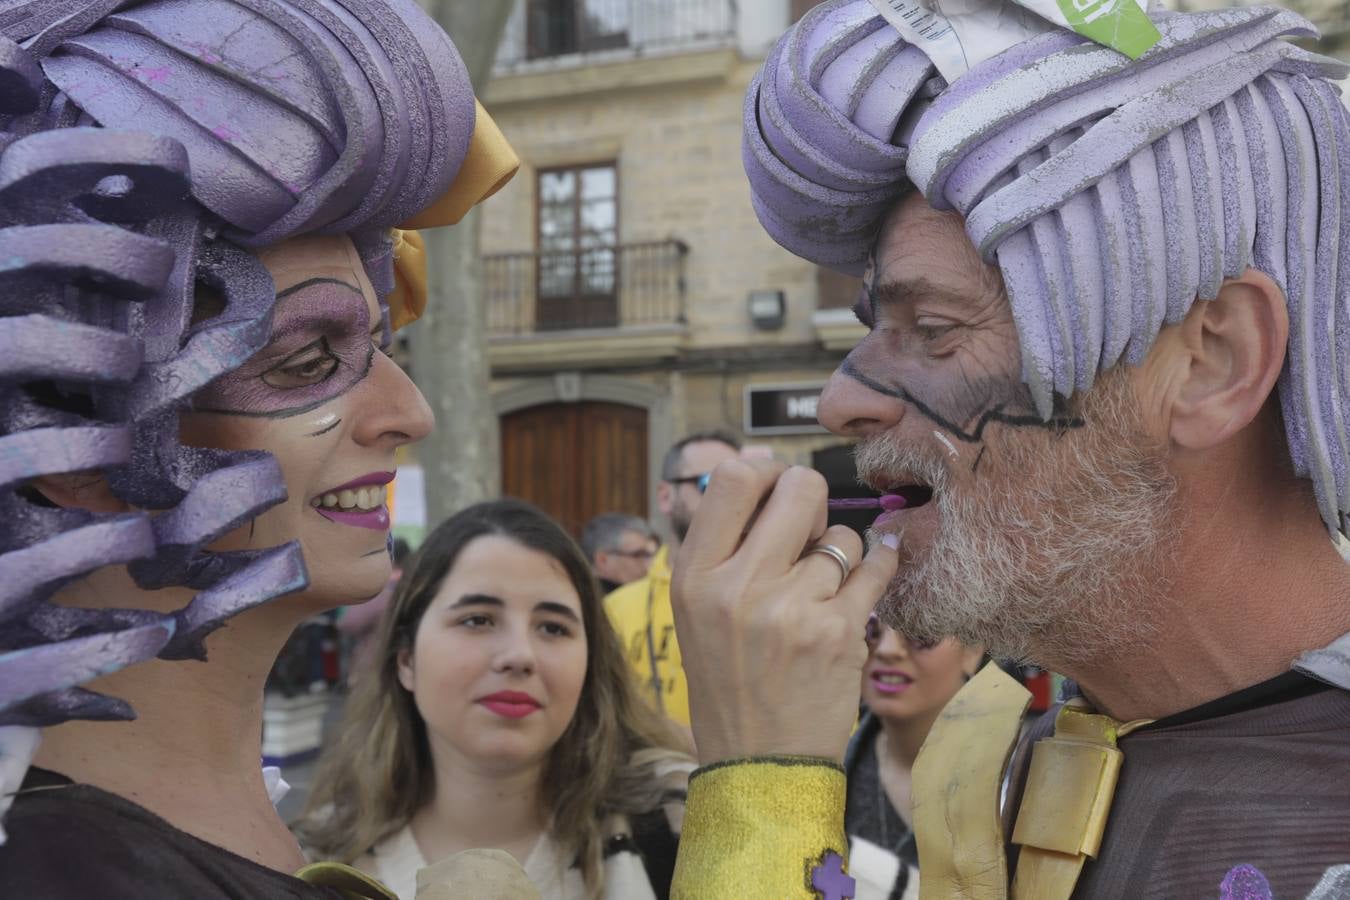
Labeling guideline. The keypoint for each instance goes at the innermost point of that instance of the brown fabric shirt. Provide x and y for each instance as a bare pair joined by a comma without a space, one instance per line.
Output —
1260,778
71,841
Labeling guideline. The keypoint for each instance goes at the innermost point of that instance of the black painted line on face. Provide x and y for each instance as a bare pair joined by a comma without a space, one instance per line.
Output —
309,282
975,467
976,436
324,430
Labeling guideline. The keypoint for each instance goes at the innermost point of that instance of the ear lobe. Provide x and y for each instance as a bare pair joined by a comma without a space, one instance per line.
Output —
665,496
80,490
1236,343
403,666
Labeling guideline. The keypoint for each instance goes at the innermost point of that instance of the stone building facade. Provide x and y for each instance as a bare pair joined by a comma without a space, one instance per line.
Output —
621,320
650,304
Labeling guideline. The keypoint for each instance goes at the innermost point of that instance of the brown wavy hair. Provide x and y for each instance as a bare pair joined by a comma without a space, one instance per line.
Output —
616,756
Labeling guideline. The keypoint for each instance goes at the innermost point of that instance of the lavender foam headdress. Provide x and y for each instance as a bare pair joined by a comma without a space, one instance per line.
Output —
1112,193
142,145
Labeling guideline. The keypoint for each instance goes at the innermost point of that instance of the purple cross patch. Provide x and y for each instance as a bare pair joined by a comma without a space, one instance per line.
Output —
830,880
1244,882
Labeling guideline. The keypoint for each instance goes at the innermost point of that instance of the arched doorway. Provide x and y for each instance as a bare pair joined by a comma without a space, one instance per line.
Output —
577,460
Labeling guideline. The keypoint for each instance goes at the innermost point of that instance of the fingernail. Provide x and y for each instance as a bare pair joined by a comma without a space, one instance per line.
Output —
891,540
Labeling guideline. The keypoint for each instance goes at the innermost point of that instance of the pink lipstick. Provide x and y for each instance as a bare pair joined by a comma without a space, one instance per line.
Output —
510,704
899,682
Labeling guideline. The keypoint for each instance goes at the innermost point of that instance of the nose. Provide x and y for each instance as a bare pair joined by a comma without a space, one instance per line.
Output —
852,409
392,410
515,653
891,646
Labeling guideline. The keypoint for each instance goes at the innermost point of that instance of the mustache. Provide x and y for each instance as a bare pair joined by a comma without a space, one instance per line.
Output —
882,462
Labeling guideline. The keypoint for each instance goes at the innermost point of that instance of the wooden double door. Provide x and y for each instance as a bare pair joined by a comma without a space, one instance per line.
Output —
577,460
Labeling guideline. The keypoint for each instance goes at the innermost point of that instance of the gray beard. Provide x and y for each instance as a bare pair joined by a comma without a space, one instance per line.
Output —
1057,552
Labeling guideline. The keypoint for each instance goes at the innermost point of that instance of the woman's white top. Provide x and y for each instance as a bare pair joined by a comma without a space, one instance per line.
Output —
396,859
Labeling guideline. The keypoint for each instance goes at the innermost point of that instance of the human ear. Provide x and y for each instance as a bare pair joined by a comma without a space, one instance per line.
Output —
1236,348
970,660
665,497
403,662
80,490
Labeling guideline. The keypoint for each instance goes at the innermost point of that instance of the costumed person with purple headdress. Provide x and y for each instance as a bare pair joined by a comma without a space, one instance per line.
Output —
201,262
1106,264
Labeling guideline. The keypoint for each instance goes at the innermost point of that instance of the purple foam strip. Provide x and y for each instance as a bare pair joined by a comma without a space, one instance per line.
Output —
27,673
27,575
228,38
1117,269
51,451
35,346
1178,224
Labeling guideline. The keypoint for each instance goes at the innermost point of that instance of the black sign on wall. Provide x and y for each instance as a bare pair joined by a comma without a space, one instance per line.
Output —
782,408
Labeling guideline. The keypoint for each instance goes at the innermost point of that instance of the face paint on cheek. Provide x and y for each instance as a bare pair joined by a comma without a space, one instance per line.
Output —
967,408
320,348
324,424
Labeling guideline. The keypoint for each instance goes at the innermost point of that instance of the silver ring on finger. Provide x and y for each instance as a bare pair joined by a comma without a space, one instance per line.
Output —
839,556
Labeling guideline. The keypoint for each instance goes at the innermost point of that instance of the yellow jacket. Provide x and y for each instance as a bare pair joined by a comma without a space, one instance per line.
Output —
641,614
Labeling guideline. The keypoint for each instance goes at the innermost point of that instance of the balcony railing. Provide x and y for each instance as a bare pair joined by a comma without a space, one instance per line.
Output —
602,287
544,29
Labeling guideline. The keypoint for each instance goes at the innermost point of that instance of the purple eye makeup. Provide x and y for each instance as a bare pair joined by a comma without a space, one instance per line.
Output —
321,346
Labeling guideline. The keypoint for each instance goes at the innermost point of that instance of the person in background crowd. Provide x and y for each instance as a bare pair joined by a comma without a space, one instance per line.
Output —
905,685
620,548
640,611
360,621
501,714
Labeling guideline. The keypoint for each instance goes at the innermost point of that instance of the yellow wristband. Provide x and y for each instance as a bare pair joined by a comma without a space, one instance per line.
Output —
764,827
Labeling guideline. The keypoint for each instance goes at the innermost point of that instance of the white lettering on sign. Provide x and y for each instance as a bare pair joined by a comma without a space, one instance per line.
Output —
802,407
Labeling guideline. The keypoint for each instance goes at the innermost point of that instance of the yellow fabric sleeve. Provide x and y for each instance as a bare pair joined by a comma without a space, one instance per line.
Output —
757,829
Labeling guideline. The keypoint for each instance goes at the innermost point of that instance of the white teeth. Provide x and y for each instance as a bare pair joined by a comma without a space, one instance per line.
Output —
361,499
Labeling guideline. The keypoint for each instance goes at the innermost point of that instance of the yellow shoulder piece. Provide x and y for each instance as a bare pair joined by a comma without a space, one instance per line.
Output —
958,777
1068,794
352,883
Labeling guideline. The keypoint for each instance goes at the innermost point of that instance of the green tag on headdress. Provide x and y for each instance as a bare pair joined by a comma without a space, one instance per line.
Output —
1119,24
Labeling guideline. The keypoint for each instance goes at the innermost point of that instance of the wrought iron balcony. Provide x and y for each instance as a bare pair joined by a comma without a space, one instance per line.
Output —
595,288
545,29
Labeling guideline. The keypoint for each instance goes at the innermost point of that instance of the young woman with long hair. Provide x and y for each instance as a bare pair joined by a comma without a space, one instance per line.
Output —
501,714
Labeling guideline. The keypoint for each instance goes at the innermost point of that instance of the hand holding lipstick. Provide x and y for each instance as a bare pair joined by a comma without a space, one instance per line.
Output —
772,641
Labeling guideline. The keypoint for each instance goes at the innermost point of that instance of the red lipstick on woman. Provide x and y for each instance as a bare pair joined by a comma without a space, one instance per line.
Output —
511,704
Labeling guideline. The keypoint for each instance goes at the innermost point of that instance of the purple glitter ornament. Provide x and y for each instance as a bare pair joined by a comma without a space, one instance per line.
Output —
1112,193
143,147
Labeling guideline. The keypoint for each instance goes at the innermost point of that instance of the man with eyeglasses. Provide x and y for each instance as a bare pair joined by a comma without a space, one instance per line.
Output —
640,610
620,548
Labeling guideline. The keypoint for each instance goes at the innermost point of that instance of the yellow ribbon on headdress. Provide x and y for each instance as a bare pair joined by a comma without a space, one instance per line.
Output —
489,164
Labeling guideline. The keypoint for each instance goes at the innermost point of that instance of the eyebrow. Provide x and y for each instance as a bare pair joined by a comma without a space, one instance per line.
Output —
489,600
906,290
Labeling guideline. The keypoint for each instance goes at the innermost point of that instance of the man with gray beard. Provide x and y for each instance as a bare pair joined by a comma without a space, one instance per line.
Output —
1103,396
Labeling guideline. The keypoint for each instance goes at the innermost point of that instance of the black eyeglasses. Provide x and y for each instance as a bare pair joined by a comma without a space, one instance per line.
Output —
875,631
633,554
699,481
